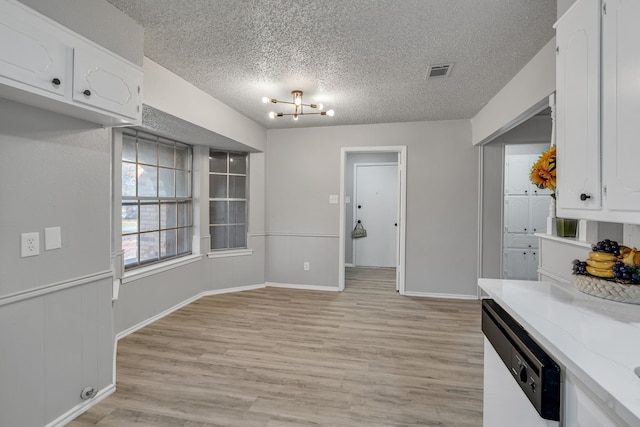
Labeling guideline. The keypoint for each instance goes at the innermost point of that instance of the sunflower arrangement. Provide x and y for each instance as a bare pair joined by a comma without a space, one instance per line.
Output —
543,172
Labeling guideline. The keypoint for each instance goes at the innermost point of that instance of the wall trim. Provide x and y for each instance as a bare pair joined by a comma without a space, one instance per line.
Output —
82,407
301,287
286,234
55,287
444,296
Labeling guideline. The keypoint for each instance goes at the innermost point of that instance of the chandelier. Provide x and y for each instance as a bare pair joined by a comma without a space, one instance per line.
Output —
298,107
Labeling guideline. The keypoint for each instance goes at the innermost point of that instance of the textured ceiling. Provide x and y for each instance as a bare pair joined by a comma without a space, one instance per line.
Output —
365,59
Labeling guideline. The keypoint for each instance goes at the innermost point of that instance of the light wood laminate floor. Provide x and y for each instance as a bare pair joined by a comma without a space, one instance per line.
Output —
281,357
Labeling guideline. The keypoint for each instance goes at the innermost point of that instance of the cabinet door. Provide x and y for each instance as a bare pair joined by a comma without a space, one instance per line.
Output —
578,109
517,214
516,264
621,105
104,81
517,170
29,54
538,213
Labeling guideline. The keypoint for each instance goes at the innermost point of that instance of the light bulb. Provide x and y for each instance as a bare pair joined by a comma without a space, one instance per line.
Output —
295,117
272,115
265,99
330,113
320,107
297,100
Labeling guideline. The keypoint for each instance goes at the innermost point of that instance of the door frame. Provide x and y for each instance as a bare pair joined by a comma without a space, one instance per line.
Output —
355,198
401,150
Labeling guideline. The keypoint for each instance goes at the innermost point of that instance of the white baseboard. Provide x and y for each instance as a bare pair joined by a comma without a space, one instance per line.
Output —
302,287
435,295
82,407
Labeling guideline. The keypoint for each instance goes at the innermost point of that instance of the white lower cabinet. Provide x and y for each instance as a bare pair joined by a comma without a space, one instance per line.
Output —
581,410
46,65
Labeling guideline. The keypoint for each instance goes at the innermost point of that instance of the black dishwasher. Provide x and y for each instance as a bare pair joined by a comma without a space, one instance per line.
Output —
537,374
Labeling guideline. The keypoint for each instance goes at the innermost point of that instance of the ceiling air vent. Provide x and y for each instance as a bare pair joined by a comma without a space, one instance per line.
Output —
440,70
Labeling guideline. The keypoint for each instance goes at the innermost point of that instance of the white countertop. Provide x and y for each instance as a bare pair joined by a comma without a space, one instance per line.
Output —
595,339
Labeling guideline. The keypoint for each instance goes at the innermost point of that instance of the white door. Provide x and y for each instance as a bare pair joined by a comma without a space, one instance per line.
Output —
538,212
517,174
376,206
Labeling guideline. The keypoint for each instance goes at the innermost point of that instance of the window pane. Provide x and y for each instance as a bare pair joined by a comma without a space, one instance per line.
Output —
219,237
237,163
184,209
149,247
147,152
168,215
182,184
129,219
184,240
128,179
165,155
218,162
218,212
237,236
237,212
128,148
130,248
166,186
149,217
147,181
168,243
182,157
237,187
217,186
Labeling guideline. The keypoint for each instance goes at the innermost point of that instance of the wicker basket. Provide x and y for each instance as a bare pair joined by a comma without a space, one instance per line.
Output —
608,289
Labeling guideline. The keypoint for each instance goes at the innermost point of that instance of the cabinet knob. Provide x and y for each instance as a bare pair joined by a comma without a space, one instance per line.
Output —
584,197
87,92
56,81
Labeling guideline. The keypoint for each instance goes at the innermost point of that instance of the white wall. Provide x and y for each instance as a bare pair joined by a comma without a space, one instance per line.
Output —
525,95
303,169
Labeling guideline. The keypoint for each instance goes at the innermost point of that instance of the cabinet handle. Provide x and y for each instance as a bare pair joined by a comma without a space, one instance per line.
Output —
87,92
584,197
56,81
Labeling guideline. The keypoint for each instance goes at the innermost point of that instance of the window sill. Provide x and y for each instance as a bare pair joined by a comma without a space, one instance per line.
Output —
150,270
230,253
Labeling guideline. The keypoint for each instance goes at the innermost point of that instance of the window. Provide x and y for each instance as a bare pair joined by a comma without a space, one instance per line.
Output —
228,199
156,198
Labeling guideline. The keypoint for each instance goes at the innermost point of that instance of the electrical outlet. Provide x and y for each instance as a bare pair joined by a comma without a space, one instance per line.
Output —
306,265
30,244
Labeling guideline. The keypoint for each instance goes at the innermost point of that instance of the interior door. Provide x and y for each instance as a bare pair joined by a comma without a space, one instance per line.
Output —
376,206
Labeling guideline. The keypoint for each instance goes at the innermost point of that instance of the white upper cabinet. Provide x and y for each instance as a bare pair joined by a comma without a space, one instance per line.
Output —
46,65
598,111
578,109
29,56
103,81
621,105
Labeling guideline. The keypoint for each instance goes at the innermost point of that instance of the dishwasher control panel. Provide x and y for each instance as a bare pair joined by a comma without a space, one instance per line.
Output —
537,374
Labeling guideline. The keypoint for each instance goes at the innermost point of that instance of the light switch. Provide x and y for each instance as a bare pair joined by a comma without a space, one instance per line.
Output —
333,198
52,238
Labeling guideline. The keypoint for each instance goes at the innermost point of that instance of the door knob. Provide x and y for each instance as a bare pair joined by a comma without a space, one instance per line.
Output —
584,197
396,224
359,206
87,92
